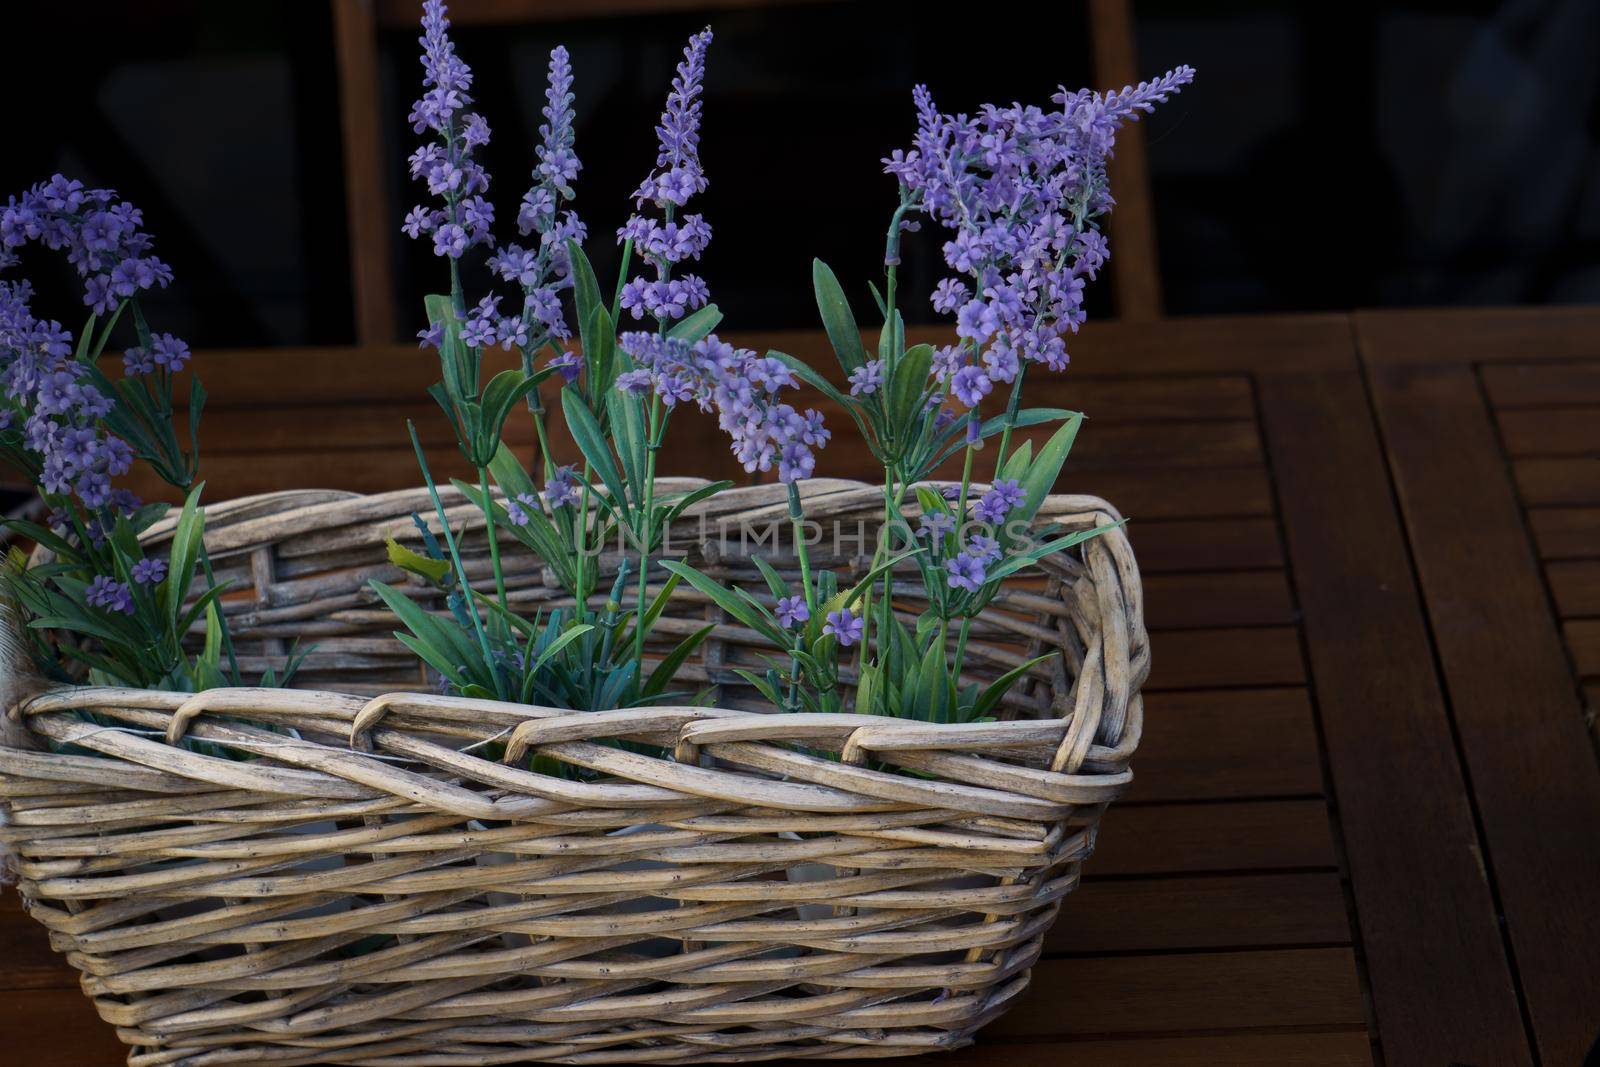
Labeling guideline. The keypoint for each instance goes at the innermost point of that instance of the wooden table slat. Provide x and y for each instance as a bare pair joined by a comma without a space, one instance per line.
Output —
1441,985
1534,775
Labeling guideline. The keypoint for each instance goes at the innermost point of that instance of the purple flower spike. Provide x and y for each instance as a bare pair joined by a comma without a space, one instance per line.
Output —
672,239
111,595
149,571
792,611
1019,189
844,625
445,163
936,524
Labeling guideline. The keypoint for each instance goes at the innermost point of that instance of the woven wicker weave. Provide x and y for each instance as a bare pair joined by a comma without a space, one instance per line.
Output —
308,876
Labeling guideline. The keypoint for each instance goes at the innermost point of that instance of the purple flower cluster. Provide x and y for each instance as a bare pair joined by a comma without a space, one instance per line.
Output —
102,236
109,594
669,240
741,387
1019,188
54,411
445,163
1003,497
165,351
542,272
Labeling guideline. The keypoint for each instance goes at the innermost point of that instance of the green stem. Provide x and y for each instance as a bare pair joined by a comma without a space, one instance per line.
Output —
797,519
450,543
1012,406
647,523
494,543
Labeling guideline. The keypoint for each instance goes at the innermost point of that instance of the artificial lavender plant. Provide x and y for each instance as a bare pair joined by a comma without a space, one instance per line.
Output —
101,602
593,657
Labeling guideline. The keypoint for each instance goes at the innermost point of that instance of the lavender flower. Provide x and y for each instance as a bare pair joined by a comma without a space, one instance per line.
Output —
740,386
149,571
54,411
102,236
111,595
971,385
792,611
668,240
1019,189
543,272
844,625
936,524
1002,498
445,163
517,508
169,353
562,488
965,572
867,378
984,548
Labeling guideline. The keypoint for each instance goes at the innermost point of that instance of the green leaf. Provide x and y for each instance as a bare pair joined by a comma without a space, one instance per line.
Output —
753,616
186,541
690,499
1046,468
585,292
1060,544
1017,463
931,701
554,648
591,441
999,687
837,318
432,569
695,326
775,583
667,669
627,427
764,687
907,387
1026,417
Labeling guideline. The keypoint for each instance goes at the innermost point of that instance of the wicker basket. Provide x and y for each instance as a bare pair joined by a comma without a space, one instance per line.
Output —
308,876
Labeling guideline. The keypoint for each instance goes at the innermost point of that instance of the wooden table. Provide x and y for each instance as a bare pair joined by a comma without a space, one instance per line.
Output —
1366,825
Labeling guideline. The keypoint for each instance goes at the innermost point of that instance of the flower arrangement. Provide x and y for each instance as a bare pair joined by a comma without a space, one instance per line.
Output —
571,849
1018,190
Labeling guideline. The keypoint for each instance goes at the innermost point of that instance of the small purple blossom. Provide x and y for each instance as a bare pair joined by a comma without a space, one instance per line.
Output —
169,352
109,594
965,571
971,385
984,548
936,524
517,508
867,378
149,571
844,625
792,611
562,487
